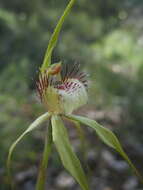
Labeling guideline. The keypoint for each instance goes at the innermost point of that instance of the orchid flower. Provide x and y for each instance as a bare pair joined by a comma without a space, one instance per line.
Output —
62,89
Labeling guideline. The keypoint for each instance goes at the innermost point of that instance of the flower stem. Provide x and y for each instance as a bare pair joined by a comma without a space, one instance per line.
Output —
41,181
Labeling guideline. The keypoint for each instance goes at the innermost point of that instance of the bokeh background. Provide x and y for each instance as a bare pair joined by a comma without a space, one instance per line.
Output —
106,38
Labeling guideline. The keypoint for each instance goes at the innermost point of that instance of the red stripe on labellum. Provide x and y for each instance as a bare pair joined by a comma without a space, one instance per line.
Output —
67,72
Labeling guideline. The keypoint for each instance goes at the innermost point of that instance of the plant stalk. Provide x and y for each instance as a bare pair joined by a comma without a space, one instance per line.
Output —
41,181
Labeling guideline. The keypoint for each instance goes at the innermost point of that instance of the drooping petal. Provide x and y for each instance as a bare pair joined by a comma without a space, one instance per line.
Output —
67,155
33,126
108,137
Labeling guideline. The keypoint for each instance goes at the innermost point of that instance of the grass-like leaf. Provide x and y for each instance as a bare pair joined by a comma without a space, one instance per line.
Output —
108,137
54,37
33,126
68,157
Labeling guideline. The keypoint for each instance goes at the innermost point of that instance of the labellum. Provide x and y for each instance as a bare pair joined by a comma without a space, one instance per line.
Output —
62,88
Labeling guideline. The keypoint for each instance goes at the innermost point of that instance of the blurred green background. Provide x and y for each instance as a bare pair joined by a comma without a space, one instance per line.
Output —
105,37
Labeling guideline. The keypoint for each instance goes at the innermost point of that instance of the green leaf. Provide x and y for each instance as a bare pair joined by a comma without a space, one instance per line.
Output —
33,126
54,37
108,137
68,157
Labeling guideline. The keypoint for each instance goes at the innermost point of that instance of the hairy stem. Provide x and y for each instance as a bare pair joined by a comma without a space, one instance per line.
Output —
41,181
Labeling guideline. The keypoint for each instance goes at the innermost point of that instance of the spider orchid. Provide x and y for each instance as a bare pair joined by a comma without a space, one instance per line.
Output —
62,89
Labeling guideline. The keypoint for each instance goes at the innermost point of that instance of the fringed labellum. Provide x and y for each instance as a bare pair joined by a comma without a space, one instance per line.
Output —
62,88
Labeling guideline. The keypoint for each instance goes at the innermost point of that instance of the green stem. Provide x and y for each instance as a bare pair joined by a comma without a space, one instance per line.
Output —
41,181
